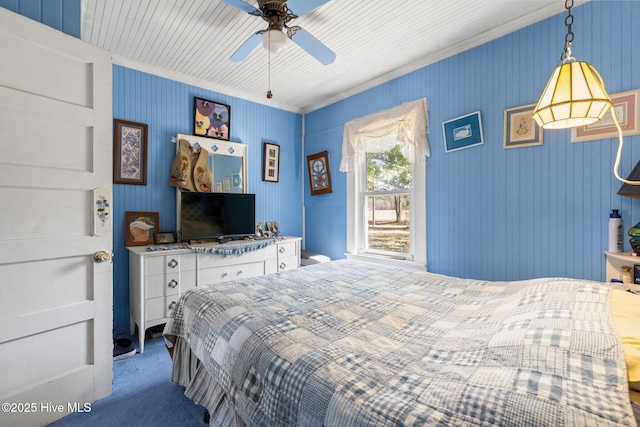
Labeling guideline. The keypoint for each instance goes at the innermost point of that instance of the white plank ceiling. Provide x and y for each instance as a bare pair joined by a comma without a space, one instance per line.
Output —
374,41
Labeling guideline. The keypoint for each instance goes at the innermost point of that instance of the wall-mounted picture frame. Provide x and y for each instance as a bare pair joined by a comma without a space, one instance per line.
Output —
129,152
463,132
271,162
165,237
520,128
319,173
211,119
140,228
627,107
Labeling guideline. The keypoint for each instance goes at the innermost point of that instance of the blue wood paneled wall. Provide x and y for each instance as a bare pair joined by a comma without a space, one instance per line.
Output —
167,107
63,15
492,213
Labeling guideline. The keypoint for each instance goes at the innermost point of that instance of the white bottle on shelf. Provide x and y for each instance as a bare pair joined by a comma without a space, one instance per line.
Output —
615,232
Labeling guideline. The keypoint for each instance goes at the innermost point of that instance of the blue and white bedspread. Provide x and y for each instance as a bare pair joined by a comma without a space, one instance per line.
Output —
353,344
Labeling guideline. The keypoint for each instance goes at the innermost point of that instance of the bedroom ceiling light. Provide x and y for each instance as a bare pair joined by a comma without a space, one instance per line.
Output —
575,95
275,41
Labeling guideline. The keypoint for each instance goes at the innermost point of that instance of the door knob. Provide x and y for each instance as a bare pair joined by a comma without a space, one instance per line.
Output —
101,256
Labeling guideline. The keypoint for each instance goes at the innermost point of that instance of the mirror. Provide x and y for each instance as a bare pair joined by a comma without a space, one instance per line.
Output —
227,161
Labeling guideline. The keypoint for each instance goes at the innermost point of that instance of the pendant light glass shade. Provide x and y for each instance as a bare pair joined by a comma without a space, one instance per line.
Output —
574,96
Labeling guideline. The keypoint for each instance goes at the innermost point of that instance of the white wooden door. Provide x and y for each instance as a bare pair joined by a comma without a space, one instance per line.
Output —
55,149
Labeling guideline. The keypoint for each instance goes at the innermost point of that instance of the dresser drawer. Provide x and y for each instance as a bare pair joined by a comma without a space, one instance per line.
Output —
208,260
287,249
287,263
160,285
230,272
169,263
160,308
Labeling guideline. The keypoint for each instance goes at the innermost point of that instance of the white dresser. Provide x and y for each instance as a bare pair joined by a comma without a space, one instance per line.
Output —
158,278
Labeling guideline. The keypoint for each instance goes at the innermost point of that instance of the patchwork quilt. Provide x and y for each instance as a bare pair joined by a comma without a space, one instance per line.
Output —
355,344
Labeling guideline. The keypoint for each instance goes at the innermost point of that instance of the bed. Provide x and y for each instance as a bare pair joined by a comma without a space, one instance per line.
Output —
350,343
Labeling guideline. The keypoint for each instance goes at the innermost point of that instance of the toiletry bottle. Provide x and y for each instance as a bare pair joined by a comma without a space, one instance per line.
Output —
615,232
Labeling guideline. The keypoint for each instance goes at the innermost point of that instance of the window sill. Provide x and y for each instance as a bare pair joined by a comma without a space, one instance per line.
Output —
392,262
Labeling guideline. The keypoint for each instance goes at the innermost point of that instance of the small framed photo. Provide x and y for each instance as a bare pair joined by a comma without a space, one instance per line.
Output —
163,237
319,174
129,152
272,227
259,229
218,187
212,119
226,182
463,132
271,162
627,108
520,128
140,228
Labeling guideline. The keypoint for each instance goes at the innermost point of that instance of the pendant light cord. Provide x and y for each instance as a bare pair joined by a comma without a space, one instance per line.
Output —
616,165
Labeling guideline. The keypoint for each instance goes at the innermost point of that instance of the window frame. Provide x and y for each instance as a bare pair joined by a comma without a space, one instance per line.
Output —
356,220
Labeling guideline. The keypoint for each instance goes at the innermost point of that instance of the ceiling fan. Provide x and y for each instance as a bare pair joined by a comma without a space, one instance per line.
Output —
278,13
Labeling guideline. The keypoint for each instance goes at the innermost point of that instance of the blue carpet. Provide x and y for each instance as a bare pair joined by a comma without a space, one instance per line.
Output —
143,395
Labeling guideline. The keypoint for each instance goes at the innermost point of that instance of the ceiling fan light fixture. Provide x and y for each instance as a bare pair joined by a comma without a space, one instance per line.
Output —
275,41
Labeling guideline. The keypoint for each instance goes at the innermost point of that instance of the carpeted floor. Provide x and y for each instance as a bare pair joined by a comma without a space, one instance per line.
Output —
143,395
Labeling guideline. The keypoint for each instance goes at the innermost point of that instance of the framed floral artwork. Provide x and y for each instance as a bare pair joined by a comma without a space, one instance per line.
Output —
129,152
319,174
211,119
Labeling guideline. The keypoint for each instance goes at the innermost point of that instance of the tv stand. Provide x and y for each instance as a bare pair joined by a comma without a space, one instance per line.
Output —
158,278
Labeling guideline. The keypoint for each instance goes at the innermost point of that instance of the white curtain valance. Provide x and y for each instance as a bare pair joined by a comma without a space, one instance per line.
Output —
407,125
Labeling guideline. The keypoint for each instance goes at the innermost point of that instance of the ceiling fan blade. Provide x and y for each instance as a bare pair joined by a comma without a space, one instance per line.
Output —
247,47
313,46
242,6
300,7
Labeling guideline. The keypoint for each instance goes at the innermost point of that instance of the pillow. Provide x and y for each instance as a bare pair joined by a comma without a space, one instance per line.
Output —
625,310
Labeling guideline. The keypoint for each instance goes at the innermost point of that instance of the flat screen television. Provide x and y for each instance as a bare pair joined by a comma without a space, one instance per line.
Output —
207,216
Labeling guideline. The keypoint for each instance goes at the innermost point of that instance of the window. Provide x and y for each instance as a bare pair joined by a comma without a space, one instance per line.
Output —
386,209
387,198
384,154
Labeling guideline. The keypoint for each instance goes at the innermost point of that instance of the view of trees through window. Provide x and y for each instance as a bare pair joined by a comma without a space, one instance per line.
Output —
387,201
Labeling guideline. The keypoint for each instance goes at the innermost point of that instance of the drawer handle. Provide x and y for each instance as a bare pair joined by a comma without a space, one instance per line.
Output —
282,249
240,272
282,266
172,305
173,283
225,274
173,263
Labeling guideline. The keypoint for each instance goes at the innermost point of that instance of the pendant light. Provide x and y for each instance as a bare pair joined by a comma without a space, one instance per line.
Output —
575,95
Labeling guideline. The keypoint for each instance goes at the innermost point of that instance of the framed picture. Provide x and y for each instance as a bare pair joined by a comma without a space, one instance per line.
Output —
129,152
520,128
627,108
226,181
218,187
462,132
272,227
211,119
259,229
165,237
319,174
271,162
140,228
